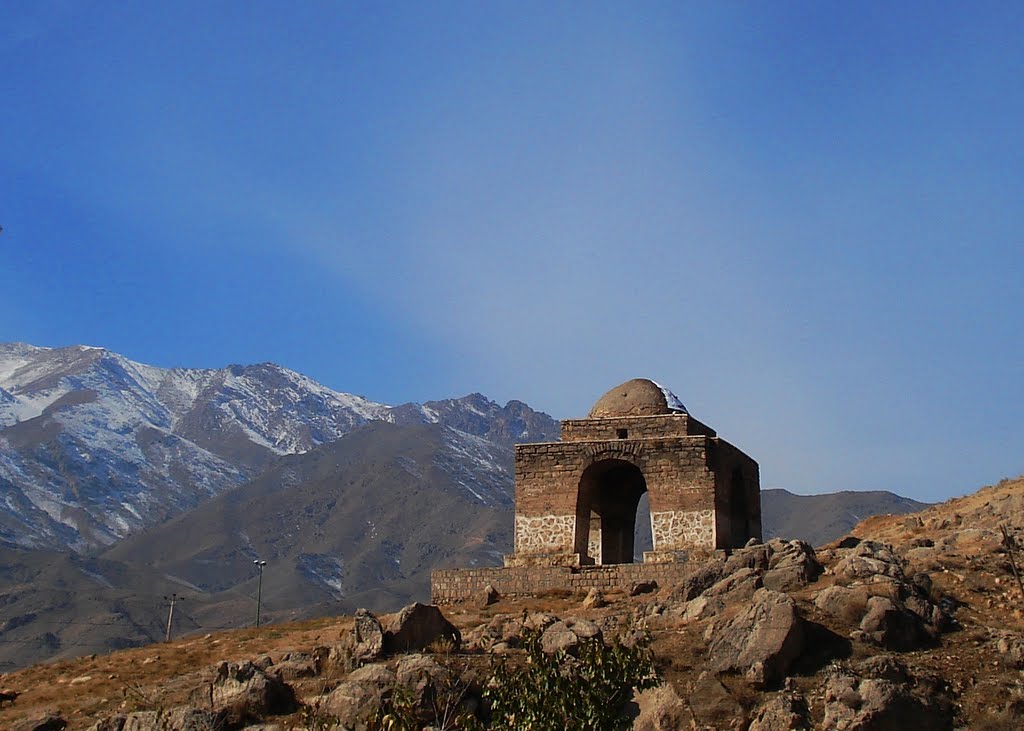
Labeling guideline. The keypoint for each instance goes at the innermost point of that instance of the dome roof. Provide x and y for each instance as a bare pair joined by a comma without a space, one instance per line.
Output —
639,397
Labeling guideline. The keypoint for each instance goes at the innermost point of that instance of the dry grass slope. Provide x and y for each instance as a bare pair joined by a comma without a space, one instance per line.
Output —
958,544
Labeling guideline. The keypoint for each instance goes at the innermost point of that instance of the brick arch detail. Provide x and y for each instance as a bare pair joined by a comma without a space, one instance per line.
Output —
627,451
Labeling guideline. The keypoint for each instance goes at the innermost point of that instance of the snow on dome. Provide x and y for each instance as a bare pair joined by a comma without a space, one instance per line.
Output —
671,399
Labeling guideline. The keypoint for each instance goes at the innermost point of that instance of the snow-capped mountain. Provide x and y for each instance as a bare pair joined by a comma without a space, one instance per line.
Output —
94,446
476,414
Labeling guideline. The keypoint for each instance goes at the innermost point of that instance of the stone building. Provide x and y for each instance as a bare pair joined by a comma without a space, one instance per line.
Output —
577,499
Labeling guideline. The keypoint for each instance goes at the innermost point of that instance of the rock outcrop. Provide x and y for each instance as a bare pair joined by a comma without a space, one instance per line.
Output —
661,709
880,694
761,642
417,627
245,691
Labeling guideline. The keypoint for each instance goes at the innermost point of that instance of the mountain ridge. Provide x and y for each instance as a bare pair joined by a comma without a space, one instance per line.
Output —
94,446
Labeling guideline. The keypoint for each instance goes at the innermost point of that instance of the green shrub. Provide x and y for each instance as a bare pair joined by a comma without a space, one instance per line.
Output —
542,692
560,692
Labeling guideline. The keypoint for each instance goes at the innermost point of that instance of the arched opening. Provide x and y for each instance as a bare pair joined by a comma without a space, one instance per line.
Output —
737,509
606,511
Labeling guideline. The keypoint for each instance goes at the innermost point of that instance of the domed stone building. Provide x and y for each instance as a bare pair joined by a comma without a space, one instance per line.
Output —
577,499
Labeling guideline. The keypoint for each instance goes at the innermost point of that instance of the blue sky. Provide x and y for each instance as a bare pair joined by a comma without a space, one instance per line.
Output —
804,218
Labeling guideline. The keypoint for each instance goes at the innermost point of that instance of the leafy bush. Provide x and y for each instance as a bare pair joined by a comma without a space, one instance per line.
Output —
559,692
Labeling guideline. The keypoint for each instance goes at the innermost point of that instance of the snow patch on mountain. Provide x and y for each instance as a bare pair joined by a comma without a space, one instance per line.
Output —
481,467
327,571
94,446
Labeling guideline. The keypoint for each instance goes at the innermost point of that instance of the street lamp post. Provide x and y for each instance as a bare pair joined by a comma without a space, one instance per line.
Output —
259,589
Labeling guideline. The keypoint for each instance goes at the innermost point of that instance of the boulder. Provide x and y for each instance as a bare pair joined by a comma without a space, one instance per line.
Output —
340,659
368,637
594,599
642,587
749,557
294,670
566,635
46,721
761,641
479,639
539,621
294,666
110,723
700,608
792,565
558,637
246,691
175,719
423,678
584,628
489,595
263,662
1010,649
700,580
782,712
713,705
867,560
359,695
417,627
881,695
736,587
892,626
511,631
934,616
893,613
843,603
660,709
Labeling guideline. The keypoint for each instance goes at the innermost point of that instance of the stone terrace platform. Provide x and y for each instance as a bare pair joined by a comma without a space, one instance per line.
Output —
454,585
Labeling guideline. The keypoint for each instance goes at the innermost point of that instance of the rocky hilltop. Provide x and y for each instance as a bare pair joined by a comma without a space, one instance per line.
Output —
908,622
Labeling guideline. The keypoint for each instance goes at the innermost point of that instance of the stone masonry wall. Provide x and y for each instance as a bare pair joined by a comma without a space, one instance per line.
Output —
728,461
673,528
675,469
452,585
636,427
544,533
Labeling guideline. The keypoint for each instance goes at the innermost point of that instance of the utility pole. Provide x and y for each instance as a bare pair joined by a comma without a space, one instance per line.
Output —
170,614
259,589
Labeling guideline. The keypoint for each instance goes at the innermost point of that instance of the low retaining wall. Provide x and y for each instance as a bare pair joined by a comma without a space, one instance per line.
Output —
453,585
